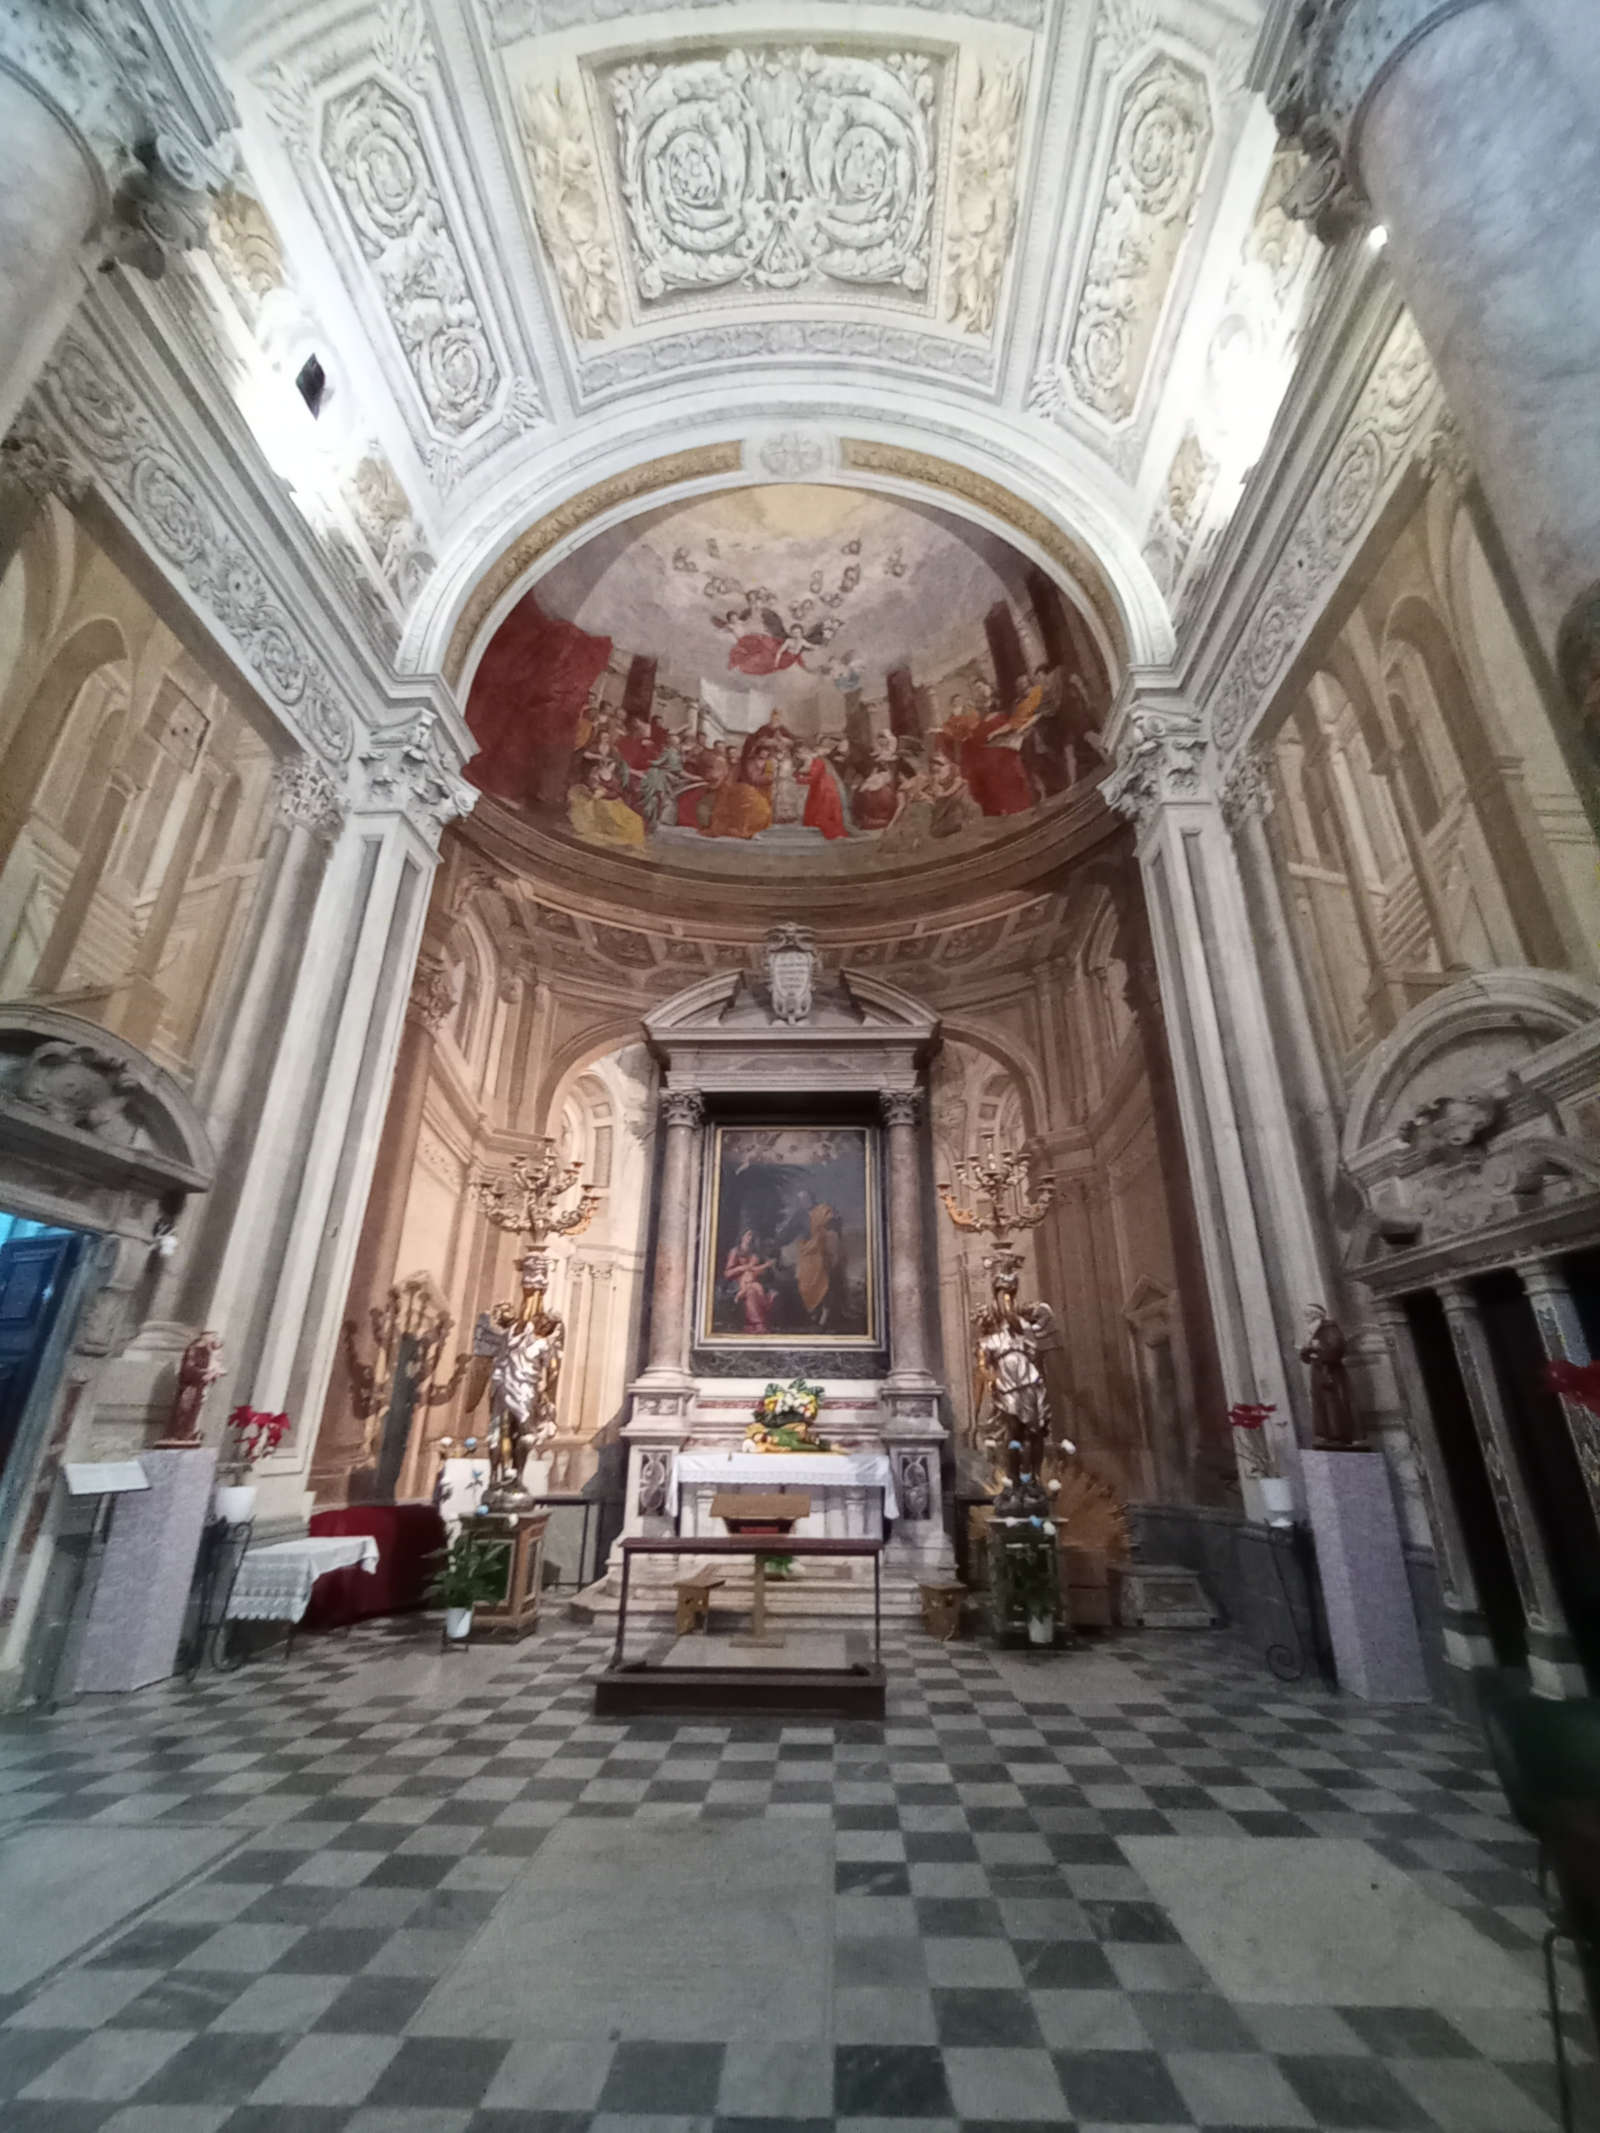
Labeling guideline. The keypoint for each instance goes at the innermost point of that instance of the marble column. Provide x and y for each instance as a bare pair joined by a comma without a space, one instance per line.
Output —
662,1396
374,1271
908,1351
1466,1639
1561,1334
912,1432
233,1086
102,144
1466,131
683,1113
1553,1664
1256,1232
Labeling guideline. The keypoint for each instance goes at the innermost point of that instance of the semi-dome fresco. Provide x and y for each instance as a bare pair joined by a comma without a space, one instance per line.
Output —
789,676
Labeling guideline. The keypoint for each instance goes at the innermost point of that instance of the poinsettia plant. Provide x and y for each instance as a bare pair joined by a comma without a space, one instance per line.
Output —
1578,1382
254,1434
1256,1455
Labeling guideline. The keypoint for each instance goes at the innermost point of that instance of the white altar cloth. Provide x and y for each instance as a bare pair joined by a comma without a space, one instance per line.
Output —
274,1584
787,1470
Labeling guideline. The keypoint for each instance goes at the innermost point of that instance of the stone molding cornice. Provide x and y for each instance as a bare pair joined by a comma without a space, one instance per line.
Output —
1323,60
1386,432
107,437
230,539
142,100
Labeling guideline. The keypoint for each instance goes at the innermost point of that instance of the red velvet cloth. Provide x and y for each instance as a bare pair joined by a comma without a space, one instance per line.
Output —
406,1534
525,703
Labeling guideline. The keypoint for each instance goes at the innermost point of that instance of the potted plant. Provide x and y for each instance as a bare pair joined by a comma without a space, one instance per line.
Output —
1258,1461
252,1434
1029,1573
471,1574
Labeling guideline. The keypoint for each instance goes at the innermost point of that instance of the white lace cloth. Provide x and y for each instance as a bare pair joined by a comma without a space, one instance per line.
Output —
787,1470
274,1584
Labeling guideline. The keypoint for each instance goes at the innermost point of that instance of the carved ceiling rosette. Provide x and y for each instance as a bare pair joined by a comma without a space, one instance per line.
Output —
768,169
374,152
1158,159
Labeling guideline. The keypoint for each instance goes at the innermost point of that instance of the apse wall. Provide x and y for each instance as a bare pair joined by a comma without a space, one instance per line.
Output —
526,1020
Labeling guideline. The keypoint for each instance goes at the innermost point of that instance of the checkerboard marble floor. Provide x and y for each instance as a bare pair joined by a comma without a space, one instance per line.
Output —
996,1958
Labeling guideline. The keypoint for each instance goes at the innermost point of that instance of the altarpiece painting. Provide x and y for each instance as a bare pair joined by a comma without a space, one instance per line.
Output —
790,1250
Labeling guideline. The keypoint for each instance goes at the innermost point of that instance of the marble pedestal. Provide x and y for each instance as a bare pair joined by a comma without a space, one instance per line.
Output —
1364,1587
136,1616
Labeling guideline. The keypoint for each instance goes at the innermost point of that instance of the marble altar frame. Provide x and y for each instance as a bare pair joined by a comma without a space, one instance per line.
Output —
727,1056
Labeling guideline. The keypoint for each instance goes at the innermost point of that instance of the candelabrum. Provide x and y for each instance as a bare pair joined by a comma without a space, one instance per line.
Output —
517,1348
526,1199
999,1193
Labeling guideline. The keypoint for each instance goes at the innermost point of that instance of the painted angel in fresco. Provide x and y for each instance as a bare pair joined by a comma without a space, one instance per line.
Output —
776,644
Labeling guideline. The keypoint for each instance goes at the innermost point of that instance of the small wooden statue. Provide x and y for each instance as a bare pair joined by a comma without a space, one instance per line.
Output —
1335,1425
198,1371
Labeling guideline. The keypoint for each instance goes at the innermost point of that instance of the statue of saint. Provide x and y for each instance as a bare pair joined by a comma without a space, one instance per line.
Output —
1010,1338
198,1371
525,1368
1335,1426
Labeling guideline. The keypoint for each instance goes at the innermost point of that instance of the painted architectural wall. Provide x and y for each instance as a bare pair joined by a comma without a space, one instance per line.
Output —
525,1021
136,804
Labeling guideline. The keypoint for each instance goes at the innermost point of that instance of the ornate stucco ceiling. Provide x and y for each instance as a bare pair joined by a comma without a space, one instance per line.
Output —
537,245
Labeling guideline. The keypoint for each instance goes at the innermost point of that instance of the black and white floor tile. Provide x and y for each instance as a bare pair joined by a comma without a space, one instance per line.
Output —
997,1961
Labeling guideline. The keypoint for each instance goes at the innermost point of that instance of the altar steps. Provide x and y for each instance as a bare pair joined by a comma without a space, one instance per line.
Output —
639,1691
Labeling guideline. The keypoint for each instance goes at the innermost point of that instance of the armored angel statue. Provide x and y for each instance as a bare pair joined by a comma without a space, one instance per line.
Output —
523,1354
1009,1339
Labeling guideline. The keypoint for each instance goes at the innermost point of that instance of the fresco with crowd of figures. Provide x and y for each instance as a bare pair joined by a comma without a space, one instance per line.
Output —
798,674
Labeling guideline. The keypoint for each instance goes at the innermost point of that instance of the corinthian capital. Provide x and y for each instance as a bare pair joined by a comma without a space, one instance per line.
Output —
1246,791
1323,60
899,1107
309,797
1160,759
151,117
413,768
683,1107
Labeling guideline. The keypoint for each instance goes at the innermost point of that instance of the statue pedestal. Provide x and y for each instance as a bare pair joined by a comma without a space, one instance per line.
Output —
520,1537
1364,1587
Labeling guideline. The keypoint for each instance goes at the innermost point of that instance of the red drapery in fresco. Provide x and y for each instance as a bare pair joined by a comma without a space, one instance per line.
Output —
525,703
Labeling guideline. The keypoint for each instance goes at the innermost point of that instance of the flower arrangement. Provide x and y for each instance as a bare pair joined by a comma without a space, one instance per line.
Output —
255,1435
1578,1382
795,1402
1256,1455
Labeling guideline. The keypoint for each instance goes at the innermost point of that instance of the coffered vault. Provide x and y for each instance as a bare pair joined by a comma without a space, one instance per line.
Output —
536,249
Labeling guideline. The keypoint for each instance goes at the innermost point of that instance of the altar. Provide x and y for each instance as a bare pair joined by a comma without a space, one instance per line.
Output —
857,1488
789,1241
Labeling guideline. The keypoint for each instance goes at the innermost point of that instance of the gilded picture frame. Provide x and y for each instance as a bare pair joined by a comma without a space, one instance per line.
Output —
790,1254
